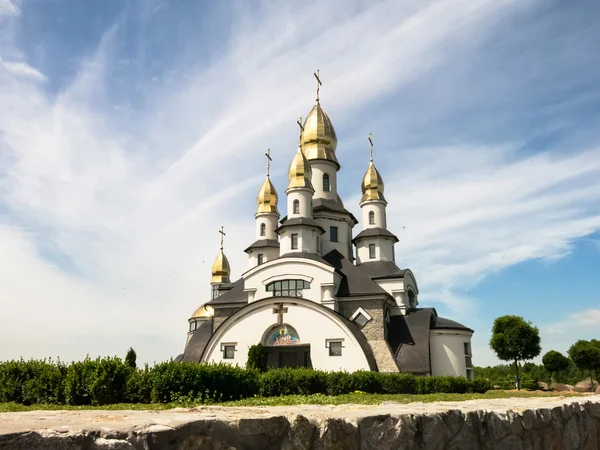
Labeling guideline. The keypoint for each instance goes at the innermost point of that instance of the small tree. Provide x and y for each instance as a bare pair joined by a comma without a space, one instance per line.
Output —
130,358
514,339
586,356
554,362
257,358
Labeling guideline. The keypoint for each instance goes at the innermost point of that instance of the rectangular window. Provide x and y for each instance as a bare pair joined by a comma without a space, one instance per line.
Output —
372,251
229,351
294,242
468,361
470,374
333,234
335,348
361,320
467,348
260,259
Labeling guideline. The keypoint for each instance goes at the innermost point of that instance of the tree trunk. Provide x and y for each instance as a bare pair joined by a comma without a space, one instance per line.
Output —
517,371
592,380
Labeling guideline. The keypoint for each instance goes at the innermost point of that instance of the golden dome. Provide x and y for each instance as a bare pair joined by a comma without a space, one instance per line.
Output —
300,172
220,269
318,139
267,198
204,311
372,185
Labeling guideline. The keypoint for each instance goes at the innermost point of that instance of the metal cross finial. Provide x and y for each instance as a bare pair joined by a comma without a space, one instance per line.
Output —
299,122
222,236
370,148
269,159
316,74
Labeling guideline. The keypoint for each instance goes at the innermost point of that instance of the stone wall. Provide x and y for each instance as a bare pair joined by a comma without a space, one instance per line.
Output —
536,424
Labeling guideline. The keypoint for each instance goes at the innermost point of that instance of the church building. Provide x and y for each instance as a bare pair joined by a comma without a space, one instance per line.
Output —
317,294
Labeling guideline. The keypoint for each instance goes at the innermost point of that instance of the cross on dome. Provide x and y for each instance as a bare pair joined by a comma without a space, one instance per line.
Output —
222,236
319,84
370,148
299,122
269,159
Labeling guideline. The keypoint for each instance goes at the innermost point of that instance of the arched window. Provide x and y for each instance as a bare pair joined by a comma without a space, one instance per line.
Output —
412,302
371,218
282,335
326,182
263,229
296,207
288,288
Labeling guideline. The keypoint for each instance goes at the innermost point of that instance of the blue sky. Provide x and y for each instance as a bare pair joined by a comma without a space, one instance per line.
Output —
130,131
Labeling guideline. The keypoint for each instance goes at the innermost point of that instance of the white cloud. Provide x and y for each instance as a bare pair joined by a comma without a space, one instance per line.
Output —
22,69
128,204
8,8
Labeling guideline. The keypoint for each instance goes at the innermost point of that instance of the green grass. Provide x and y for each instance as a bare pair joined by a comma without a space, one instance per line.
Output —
317,399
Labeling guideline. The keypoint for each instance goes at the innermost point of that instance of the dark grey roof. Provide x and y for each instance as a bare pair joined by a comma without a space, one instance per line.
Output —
262,243
197,343
321,204
235,294
354,282
441,323
409,337
381,269
308,255
370,232
300,221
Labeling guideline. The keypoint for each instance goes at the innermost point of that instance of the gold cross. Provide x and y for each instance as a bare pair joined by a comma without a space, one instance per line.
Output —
370,148
316,74
299,122
269,159
222,236
280,311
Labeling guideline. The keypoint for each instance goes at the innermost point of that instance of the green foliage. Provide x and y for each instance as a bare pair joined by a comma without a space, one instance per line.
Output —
586,356
97,382
257,358
514,339
555,362
30,382
130,358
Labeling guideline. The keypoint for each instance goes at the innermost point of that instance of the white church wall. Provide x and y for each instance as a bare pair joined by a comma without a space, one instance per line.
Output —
319,168
270,221
447,352
314,272
384,250
344,233
313,327
307,239
378,209
304,197
269,254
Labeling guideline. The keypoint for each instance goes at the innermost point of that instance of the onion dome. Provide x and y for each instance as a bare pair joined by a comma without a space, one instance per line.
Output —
318,139
203,312
300,172
372,185
267,198
220,269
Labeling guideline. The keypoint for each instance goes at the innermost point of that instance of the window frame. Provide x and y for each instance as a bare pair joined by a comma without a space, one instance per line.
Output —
331,233
263,229
326,183
288,288
467,348
260,258
372,251
334,345
294,243
296,207
228,345
371,217
360,312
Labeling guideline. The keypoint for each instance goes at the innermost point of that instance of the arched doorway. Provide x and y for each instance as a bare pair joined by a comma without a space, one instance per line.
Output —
284,347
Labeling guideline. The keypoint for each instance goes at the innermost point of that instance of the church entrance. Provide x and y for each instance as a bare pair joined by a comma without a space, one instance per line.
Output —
283,346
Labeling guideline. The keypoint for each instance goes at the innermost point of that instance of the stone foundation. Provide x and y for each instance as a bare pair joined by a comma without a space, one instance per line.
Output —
533,423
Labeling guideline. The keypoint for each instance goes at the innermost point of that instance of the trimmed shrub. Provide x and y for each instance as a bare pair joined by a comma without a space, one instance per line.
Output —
339,383
370,382
399,383
139,386
480,385
257,358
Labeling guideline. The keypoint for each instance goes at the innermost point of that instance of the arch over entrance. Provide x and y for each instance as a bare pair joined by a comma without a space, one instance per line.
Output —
283,334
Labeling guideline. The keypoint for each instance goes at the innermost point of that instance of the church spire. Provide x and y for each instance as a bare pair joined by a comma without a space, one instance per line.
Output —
220,269
372,183
267,195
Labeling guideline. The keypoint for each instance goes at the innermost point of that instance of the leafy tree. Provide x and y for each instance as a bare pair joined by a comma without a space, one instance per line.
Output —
586,356
130,358
514,339
554,362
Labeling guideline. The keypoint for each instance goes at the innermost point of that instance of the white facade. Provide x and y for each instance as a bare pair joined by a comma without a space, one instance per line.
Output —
373,214
383,248
447,350
320,168
266,223
314,326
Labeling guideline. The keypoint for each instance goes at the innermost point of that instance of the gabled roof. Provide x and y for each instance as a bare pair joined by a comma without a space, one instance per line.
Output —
371,232
381,269
263,243
235,294
409,338
197,343
307,255
354,282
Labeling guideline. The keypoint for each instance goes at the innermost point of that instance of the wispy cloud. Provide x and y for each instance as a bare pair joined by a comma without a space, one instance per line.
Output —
8,8
22,69
110,196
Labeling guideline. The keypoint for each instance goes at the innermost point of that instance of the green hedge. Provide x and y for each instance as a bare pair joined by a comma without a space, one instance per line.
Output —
108,380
